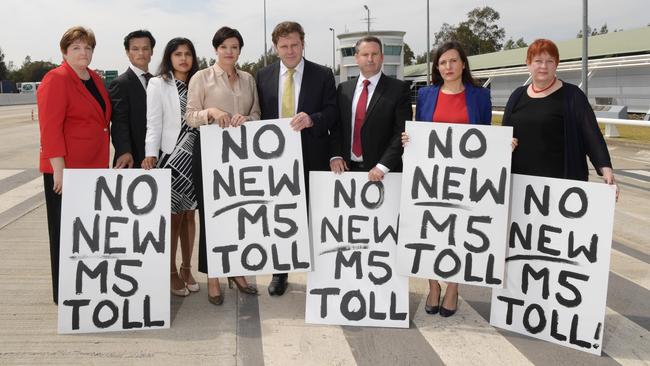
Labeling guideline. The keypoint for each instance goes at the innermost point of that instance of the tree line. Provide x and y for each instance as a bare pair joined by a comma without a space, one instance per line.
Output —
28,71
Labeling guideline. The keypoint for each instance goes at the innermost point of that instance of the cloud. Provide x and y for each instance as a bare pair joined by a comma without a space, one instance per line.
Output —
37,25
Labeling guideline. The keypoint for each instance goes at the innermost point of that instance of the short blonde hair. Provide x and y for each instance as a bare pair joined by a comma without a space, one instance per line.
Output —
77,33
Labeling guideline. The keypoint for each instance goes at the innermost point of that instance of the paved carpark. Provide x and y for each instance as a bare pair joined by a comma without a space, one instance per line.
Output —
263,330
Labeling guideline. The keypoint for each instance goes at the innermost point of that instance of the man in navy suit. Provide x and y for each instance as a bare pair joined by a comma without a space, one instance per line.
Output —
305,92
372,111
129,100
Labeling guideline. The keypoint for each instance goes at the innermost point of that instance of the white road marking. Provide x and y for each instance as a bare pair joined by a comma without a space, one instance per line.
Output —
6,173
19,194
633,215
631,269
287,340
466,338
625,341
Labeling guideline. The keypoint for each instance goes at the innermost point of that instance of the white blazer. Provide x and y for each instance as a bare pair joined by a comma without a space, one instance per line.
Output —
163,116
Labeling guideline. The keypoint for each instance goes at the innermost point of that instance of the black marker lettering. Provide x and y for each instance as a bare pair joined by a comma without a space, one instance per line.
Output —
114,199
78,228
108,234
130,194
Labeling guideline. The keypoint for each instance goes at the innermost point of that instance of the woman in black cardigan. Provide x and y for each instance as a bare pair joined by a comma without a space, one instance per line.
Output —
554,126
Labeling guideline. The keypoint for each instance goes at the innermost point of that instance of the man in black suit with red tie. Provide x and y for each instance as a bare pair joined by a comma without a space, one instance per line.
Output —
129,100
304,91
372,112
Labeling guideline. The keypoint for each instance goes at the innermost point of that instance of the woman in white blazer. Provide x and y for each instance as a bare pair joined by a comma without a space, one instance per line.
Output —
168,145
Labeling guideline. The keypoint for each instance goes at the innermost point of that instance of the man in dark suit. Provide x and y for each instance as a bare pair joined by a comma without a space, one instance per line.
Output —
372,111
305,92
129,99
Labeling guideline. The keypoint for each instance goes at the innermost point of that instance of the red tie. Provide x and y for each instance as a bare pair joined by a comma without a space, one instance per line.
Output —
359,116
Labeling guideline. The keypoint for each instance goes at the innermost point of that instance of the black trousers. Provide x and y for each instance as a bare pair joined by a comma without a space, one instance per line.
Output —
53,207
197,176
356,166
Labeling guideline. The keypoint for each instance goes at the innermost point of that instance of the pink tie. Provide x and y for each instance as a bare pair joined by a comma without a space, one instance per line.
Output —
359,117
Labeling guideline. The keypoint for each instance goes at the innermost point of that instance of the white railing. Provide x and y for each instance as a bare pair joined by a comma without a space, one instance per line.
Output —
610,123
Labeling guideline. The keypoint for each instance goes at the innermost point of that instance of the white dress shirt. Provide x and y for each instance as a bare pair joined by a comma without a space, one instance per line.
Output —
140,74
355,100
297,81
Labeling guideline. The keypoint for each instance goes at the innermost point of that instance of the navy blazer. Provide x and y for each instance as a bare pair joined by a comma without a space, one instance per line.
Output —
387,110
317,98
129,121
479,104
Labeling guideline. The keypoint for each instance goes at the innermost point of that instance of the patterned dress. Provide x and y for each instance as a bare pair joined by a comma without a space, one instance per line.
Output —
180,160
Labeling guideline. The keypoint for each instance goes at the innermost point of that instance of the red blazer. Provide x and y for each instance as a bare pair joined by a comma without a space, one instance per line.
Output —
72,123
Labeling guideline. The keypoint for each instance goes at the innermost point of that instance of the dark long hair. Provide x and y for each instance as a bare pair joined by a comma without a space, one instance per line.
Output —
467,73
166,63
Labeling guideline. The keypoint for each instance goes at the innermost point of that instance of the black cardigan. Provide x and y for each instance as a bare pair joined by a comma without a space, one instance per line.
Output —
582,136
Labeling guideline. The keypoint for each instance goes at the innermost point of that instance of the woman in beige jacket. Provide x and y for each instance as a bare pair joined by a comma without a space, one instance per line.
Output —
226,96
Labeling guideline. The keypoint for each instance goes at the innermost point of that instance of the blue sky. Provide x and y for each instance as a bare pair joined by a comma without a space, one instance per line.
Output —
34,27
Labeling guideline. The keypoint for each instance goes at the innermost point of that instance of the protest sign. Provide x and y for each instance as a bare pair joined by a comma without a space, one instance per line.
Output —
254,199
557,263
454,203
354,236
114,253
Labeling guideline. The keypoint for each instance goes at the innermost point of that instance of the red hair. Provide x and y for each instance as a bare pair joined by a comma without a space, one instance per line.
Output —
540,46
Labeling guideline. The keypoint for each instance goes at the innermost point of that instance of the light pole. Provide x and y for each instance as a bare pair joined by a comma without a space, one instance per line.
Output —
585,47
368,19
333,52
265,47
428,48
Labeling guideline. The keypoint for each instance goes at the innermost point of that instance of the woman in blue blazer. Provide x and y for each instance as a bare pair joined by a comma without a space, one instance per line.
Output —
454,97
452,76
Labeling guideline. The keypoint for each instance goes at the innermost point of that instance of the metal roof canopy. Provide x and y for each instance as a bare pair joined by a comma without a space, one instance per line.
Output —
613,44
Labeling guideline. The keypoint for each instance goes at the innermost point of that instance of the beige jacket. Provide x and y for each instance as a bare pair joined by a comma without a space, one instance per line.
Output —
209,88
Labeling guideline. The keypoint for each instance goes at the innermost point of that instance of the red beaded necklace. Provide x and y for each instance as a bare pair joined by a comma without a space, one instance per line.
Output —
532,85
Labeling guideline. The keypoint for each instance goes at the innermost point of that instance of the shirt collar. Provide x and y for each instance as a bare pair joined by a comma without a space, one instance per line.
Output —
219,71
374,80
299,68
136,70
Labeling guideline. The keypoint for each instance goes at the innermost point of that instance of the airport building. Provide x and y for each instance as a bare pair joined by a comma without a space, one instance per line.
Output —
619,69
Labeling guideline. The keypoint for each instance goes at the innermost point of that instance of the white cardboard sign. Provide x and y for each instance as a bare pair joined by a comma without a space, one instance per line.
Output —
254,199
557,263
454,203
114,253
354,236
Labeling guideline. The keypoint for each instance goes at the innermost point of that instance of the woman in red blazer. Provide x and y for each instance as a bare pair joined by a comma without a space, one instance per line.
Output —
74,111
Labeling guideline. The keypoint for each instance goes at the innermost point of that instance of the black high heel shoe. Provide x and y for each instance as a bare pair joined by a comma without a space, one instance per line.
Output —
445,313
433,309
247,290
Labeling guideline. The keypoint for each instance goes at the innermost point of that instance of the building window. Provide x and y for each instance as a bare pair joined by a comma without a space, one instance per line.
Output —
347,51
392,50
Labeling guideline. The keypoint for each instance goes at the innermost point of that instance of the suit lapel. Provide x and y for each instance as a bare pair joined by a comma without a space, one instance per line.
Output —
272,89
376,95
136,87
135,80
305,81
106,113
348,89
